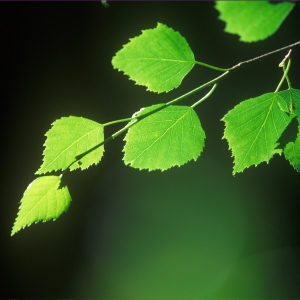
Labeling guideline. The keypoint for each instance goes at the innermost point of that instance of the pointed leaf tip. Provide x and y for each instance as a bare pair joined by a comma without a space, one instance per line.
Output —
68,138
44,199
252,129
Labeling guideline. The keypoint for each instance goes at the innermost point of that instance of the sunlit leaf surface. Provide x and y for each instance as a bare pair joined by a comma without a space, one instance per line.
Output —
170,137
292,152
44,199
253,127
159,59
253,20
68,138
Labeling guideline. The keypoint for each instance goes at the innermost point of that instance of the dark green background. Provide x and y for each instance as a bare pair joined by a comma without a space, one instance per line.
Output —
188,233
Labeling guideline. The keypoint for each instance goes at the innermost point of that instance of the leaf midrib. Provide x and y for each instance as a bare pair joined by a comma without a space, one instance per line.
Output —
160,137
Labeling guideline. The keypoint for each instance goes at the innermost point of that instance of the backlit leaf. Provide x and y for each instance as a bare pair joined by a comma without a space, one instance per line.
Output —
253,20
172,136
159,59
292,152
292,99
253,127
68,138
44,199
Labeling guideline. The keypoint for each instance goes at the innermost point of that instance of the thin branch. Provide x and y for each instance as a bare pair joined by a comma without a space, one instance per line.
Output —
264,55
216,80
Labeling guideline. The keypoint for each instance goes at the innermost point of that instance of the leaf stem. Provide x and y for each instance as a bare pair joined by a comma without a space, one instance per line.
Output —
206,96
287,77
216,80
210,66
284,75
113,136
261,56
117,121
201,87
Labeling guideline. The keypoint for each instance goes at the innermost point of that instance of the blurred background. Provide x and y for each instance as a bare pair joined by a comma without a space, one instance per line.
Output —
188,233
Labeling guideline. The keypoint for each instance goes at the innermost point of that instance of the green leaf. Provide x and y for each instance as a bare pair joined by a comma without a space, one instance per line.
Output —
252,129
169,137
44,199
292,152
159,59
292,99
252,20
68,138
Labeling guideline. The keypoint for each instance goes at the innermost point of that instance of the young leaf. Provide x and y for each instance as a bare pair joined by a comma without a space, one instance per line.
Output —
159,59
253,127
252,20
44,199
172,136
292,152
68,138
292,99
